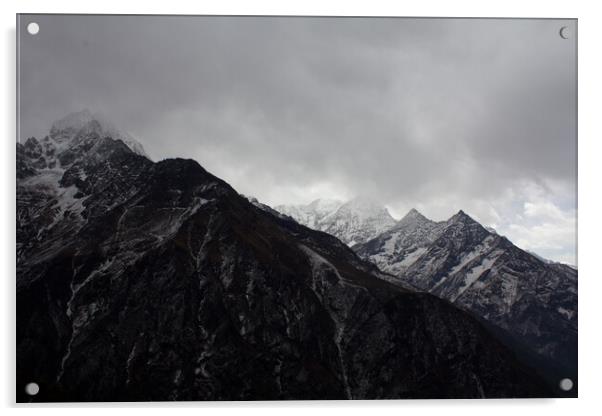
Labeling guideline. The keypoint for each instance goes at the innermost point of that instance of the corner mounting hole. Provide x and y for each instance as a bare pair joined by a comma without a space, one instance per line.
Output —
566,384
565,32
32,389
33,28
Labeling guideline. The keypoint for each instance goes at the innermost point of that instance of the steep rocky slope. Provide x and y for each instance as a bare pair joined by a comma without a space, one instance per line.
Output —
532,302
157,281
401,245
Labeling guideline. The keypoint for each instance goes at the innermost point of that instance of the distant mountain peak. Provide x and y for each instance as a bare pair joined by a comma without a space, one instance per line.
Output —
483,272
413,215
461,217
354,221
363,206
64,130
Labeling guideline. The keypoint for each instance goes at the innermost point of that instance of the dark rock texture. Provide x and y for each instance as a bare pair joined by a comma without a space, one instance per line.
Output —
530,303
157,281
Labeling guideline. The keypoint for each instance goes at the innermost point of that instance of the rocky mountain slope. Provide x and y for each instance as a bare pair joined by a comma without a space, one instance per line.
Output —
401,245
532,302
157,281
353,222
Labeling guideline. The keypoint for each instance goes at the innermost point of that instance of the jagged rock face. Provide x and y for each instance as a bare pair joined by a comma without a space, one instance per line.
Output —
157,281
57,175
397,248
72,138
534,302
353,222
84,122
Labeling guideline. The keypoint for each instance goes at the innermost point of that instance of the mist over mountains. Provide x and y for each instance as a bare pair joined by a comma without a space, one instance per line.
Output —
353,222
533,301
141,280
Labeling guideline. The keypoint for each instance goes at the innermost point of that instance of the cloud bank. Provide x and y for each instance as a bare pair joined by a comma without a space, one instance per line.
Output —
437,114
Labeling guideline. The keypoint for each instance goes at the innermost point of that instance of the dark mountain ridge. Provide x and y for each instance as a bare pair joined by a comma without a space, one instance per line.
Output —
530,303
158,281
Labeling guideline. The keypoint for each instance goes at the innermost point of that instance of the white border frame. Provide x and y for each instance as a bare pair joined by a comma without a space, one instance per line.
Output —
590,209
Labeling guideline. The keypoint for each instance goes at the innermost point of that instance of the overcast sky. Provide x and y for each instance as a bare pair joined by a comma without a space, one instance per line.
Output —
436,114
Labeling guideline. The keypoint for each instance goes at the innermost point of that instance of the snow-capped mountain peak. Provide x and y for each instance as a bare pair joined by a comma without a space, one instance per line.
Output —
414,213
364,207
412,217
400,246
484,273
311,214
358,221
353,222
64,131
461,217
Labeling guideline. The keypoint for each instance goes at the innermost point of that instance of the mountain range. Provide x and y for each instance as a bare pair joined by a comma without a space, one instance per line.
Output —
353,222
528,301
141,280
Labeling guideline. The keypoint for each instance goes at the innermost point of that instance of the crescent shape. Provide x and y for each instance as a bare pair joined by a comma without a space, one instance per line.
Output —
564,32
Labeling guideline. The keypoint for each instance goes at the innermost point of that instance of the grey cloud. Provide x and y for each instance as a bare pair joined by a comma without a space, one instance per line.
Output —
437,113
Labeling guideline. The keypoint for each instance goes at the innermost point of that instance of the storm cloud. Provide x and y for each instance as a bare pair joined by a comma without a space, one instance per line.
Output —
437,114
